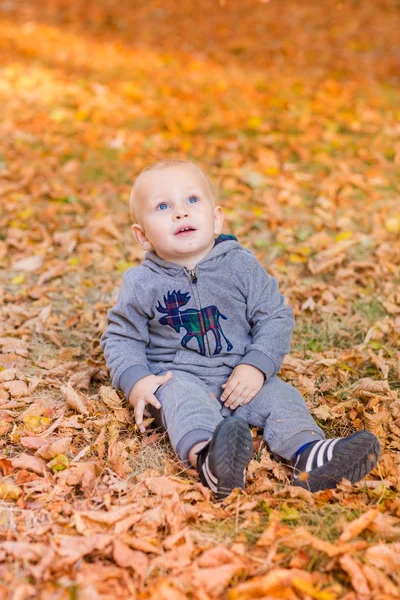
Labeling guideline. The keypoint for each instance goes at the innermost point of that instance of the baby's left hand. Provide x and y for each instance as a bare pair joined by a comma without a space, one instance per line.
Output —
243,384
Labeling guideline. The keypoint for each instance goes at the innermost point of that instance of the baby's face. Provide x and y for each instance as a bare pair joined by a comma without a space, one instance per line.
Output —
169,200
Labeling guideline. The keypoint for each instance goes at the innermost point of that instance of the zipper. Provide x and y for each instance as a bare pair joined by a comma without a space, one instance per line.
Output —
193,279
193,276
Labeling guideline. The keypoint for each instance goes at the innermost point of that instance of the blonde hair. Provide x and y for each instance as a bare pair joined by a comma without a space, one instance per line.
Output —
163,164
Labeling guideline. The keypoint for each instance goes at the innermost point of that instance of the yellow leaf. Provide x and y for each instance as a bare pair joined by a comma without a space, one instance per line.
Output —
259,212
73,261
289,513
25,214
304,250
18,279
124,266
186,145
59,463
254,122
82,114
343,235
392,224
9,491
132,91
221,85
307,588
271,171
59,115
188,124
36,424
296,258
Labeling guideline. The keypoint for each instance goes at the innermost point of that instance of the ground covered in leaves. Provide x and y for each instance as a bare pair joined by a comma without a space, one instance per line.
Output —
293,110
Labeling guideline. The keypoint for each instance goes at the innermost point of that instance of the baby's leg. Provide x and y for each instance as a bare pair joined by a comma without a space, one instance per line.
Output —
190,412
280,410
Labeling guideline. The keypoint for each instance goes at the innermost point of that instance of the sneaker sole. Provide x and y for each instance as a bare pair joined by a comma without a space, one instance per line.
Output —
231,450
353,460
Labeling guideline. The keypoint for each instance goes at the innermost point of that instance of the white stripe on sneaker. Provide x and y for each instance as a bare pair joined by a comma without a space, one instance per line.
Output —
212,481
321,453
313,452
331,447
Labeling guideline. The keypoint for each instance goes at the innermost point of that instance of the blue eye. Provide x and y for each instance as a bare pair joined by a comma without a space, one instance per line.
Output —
161,205
193,198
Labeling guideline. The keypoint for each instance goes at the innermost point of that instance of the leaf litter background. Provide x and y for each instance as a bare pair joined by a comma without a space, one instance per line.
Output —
293,110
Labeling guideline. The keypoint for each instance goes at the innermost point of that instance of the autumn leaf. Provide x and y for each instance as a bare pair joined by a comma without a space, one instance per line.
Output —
75,400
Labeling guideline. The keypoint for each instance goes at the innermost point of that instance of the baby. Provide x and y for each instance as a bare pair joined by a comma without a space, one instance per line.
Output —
198,334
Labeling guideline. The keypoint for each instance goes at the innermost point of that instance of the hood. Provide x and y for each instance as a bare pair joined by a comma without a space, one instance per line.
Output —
223,244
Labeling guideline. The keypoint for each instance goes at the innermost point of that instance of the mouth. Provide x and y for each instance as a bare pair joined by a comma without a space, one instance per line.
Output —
184,230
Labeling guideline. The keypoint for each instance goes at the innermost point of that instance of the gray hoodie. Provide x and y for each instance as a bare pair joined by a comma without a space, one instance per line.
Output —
226,311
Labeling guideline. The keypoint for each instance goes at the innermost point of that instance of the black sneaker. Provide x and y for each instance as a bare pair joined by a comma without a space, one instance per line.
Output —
223,460
322,465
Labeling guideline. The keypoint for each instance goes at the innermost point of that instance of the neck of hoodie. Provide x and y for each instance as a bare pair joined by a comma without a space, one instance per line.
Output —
223,243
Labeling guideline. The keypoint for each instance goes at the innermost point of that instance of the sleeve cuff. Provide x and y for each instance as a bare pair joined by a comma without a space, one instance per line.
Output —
131,376
261,361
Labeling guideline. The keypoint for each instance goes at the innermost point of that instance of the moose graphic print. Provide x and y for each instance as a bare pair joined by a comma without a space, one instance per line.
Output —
196,322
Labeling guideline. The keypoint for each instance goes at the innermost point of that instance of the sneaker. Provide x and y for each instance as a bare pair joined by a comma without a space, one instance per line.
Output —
321,465
223,460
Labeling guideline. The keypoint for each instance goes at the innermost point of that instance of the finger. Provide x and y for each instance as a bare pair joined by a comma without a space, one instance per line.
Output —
250,397
228,386
147,413
234,394
139,408
161,379
151,399
239,399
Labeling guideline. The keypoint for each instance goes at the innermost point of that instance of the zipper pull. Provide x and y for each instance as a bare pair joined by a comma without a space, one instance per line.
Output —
193,276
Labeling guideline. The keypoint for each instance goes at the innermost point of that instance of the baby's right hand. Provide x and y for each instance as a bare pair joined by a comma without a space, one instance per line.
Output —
142,393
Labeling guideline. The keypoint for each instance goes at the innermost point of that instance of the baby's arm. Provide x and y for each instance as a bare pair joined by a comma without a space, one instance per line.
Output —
125,339
271,320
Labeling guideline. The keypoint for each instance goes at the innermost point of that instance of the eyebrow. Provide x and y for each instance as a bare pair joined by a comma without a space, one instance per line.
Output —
164,195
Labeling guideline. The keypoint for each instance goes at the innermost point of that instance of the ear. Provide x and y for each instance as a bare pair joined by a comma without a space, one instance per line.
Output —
218,220
140,237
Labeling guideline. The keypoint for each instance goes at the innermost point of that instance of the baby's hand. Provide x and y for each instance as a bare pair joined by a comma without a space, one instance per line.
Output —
142,393
243,384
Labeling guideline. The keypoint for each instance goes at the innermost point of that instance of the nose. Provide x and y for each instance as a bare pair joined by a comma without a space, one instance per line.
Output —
180,212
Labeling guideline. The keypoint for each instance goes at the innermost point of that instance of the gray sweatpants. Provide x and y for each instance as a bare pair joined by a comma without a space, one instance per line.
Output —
191,410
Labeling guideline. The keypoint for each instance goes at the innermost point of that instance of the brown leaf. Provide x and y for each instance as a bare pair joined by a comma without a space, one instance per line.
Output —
24,550
71,548
354,528
75,400
215,580
385,557
357,577
34,442
368,387
148,546
125,557
379,582
103,521
6,465
112,400
31,263
215,557
17,388
32,463
117,458
59,446
275,582
10,344
81,379
8,375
